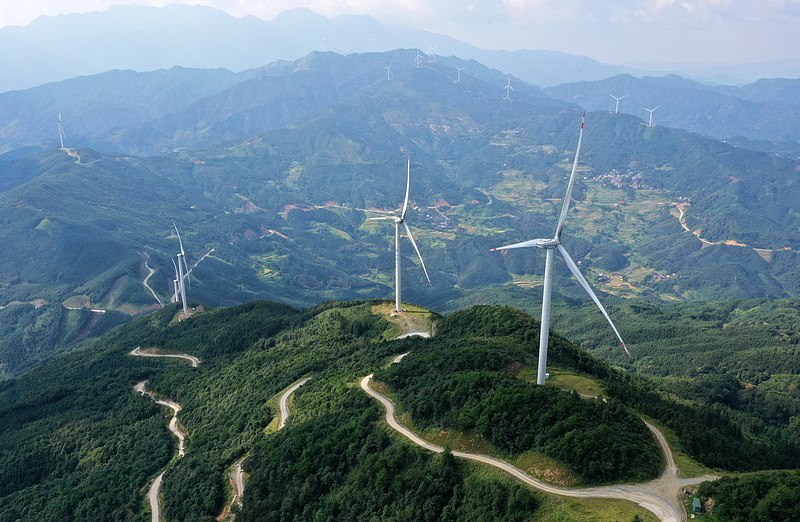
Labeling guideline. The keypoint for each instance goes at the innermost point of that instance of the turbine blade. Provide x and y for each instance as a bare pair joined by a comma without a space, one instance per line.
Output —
408,187
524,244
585,284
179,239
565,206
186,274
382,218
408,231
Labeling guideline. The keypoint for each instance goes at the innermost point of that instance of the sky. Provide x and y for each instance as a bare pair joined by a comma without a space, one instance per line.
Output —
612,31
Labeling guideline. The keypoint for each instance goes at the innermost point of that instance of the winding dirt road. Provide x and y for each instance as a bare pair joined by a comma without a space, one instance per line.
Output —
191,358
155,488
659,496
146,279
152,493
236,473
284,402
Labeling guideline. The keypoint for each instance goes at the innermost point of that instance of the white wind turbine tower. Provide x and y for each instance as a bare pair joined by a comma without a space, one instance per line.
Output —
397,222
182,278
372,42
508,88
458,79
550,245
616,109
651,114
60,131
388,71
418,59
175,284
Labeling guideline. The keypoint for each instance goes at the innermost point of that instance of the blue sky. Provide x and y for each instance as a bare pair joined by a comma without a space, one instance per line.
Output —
613,31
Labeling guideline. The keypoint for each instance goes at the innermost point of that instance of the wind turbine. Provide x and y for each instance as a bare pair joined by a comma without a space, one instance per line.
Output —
325,40
181,265
508,87
418,59
60,131
616,109
372,42
651,114
458,80
550,245
397,222
388,71
431,53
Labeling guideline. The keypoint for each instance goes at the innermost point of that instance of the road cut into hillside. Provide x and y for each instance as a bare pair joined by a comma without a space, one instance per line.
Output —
152,493
660,496
236,473
284,401
191,358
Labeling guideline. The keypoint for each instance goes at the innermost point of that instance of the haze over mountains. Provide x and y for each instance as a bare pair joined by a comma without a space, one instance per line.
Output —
148,38
278,169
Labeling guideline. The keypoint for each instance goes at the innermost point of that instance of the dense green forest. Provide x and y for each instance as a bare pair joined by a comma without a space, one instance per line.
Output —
758,497
92,444
83,428
32,334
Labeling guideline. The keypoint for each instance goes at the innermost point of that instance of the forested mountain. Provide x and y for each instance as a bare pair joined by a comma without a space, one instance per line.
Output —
91,105
764,110
284,214
79,442
155,113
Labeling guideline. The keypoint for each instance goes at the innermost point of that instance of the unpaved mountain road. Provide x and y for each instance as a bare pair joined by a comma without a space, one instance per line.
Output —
152,493
660,496
191,358
284,401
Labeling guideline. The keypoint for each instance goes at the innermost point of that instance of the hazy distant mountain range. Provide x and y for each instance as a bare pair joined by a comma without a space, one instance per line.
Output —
157,112
768,109
148,38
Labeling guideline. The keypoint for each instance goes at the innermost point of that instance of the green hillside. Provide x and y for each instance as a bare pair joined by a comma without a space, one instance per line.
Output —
78,442
284,215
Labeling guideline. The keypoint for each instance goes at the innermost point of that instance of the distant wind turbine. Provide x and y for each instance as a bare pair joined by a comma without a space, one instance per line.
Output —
431,53
182,278
372,42
388,71
508,88
458,79
550,245
418,59
397,222
651,114
616,109
325,40
60,131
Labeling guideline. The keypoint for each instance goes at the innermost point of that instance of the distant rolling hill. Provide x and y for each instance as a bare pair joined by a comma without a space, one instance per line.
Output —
158,112
765,110
286,210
